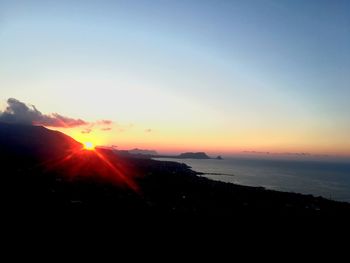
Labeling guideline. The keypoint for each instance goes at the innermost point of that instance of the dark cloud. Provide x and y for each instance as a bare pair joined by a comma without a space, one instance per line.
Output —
19,112
148,130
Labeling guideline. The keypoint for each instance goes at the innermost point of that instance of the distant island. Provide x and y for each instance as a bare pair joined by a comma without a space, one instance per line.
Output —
143,152
153,154
191,155
148,154
187,155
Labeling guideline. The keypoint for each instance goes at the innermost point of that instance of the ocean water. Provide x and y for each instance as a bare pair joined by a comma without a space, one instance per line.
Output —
319,178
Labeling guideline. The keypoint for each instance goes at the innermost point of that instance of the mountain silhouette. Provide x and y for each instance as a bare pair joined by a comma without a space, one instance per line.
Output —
44,170
191,155
31,140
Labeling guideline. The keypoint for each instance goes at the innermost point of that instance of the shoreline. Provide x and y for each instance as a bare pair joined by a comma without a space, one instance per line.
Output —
236,179
260,198
39,177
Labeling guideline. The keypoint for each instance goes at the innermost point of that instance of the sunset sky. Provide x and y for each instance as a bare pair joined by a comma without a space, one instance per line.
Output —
215,76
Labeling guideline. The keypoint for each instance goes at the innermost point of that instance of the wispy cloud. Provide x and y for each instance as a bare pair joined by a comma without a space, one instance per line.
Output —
102,125
104,122
86,131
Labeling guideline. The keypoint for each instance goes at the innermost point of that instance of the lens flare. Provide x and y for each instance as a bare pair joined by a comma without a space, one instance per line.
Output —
92,162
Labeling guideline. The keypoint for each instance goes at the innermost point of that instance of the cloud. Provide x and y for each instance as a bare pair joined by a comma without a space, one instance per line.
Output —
100,123
86,131
148,130
21,113
104,122
106,129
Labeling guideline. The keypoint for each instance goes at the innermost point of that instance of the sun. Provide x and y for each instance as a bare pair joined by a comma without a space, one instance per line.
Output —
89,146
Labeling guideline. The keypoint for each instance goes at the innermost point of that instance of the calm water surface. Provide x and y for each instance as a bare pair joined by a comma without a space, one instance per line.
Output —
319,178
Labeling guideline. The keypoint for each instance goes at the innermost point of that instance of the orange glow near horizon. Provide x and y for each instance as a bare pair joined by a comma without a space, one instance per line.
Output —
89,146
165,140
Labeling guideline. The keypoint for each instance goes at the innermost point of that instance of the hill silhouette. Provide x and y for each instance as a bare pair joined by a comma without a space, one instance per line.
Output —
197,155
46,170
21,139
186,155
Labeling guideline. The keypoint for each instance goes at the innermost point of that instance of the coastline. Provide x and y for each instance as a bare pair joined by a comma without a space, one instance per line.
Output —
165,188
41,177
325,179
233,197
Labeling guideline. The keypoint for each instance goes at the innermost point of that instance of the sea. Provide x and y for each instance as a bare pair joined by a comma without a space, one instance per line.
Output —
329,179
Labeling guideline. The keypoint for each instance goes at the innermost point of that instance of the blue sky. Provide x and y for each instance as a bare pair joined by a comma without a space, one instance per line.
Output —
274,74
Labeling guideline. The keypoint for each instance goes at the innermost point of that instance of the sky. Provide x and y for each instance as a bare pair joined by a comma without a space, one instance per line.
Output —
216,76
